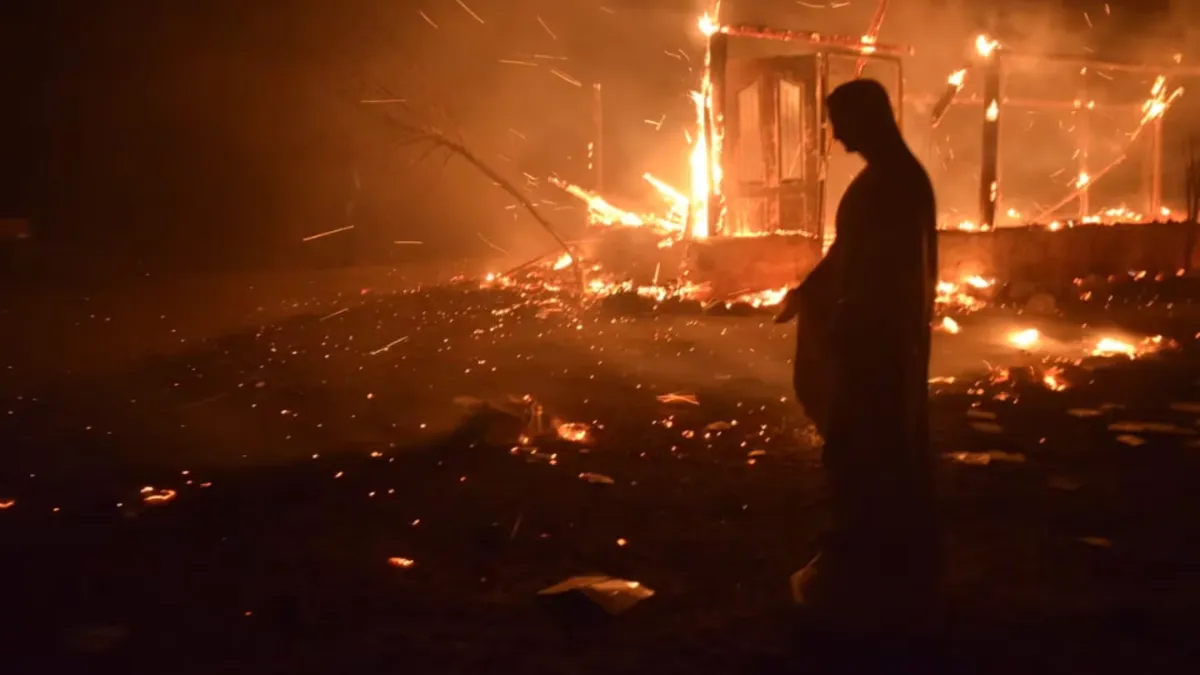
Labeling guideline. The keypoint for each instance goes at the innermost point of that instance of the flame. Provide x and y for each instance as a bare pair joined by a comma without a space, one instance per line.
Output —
767,298
564,261
600,212
1112,347
993,111
986,46
957,79
1159,100
951,326
576,432
1083,179
1052,379
402,563
705,161
1026,338
678,201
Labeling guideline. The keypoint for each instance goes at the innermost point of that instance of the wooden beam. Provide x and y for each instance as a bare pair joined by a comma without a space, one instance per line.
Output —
989,173
1100,64
825,41
1022,103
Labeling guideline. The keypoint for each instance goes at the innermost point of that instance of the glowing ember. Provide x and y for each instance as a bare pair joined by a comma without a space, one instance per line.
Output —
153,496
403,563
957,79
1052,378
960,295
564,261
7,504
1083,179
576,432
986,46
1026,338
678,398
993,111
950,326
1113,347
1159,100
768,298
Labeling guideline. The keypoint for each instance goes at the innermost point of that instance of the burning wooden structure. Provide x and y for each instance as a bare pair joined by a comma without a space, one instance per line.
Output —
764,179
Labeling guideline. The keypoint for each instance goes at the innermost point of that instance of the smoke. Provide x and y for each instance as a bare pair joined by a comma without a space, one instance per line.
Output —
240,125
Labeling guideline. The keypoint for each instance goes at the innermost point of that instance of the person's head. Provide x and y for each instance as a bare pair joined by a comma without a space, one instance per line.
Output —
862,118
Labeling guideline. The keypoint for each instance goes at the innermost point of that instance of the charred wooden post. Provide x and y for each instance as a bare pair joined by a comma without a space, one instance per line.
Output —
1156,168
989,174
828,42
1084,127
1192,191
596,150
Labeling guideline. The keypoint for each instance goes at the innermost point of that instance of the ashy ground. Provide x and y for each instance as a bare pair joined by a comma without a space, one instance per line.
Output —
194,485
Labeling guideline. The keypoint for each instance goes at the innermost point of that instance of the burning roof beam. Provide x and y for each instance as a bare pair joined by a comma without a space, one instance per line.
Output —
830,42
1172,70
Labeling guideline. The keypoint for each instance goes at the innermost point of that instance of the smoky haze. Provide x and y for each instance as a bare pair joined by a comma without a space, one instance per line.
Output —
221,133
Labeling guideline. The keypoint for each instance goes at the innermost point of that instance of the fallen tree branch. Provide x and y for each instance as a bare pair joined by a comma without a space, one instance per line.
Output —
414,133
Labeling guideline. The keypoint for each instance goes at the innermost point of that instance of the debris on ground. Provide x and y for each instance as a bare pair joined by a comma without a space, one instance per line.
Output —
1151,427
987,427
985,458
613,595
596,478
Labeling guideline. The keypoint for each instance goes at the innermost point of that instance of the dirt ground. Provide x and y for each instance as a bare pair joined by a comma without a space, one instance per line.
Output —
309,445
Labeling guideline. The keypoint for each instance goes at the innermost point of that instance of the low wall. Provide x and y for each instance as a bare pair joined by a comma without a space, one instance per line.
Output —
1032,255
1036,254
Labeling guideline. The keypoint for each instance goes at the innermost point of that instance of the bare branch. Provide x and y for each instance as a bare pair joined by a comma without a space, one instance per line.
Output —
413,132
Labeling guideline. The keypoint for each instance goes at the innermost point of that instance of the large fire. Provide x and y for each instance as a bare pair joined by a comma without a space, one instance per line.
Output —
688,212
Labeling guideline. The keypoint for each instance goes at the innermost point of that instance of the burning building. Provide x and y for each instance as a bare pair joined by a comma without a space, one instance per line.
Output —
765,176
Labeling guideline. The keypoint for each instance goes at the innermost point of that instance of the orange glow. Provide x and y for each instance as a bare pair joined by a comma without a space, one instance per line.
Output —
986,46
403,563
1159,100
1113,347
993,111
153,496
564,261
576,432
1052,378
1025,339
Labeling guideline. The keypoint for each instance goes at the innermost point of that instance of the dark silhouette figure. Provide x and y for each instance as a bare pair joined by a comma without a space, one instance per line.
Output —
862,374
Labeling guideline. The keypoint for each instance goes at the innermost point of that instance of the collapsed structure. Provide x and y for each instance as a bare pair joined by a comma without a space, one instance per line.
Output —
764,179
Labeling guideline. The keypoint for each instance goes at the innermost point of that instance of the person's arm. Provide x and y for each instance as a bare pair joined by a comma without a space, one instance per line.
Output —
819,286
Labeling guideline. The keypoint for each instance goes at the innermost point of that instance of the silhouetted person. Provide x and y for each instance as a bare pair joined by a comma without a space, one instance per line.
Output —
862,371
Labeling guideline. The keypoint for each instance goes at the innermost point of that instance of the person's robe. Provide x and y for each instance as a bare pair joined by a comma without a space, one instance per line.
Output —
864,313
